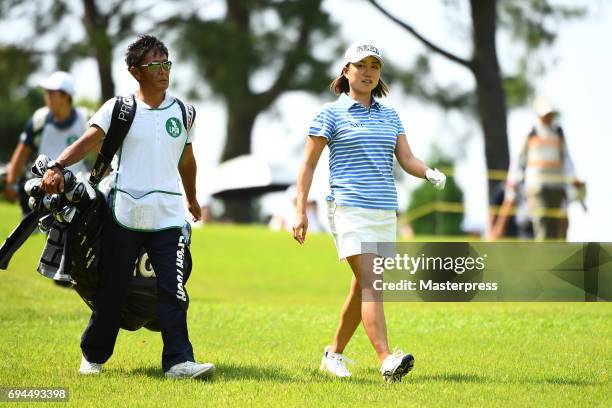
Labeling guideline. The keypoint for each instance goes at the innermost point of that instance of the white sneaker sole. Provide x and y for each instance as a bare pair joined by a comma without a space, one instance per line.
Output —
205,373
89,372
402,369
323,369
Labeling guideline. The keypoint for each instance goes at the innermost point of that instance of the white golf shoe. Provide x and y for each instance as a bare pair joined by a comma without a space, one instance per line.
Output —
189,369
88,368
335,363
396,365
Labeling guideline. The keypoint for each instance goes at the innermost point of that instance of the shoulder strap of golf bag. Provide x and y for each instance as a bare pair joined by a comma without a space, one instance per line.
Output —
39,120
558,130
121,121
19,235
189,114
533,132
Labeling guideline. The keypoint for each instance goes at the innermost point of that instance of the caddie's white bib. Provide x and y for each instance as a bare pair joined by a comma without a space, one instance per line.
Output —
147,182
54,139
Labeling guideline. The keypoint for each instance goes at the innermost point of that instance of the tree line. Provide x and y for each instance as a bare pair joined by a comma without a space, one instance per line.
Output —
276,37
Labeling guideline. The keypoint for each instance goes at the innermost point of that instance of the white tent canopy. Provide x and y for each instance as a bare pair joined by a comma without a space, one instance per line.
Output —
250,175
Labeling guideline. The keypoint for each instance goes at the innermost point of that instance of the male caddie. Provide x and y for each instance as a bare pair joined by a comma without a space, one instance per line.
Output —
546,169
50,130
146,211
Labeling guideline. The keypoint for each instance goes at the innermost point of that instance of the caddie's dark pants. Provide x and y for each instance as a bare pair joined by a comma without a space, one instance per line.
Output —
120,248
548,199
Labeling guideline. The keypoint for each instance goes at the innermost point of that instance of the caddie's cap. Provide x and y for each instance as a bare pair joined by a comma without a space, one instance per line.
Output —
59,81
360,50
542,106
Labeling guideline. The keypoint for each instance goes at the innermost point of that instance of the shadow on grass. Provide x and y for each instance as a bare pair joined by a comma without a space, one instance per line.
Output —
153,372
474,378
233,372
562,381
448,377
229,372
314,375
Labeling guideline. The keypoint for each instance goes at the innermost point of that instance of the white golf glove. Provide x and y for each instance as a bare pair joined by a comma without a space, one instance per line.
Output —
436,177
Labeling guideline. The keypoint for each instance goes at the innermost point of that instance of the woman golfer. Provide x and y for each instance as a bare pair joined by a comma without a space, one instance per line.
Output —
362,136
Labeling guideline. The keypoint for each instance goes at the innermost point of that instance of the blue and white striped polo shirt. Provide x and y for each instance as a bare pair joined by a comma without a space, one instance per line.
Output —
361,148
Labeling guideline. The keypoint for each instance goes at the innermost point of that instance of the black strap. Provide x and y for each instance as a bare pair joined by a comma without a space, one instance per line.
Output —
557,129
189,114
19,235
121,120
533,132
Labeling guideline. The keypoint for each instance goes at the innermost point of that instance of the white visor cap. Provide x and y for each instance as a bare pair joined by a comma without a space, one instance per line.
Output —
360,50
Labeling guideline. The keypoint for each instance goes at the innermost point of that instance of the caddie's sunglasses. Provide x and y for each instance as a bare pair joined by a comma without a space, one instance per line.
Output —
155,66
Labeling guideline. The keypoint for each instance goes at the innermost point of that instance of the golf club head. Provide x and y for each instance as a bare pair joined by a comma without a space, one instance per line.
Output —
45,223
69,213
34,203
58,217
32,187
69,180
40,165
51,201
76,193
65,215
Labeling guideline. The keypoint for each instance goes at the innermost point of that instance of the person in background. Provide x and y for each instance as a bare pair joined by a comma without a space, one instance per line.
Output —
507,218
545,168
282,219
49,131
363,136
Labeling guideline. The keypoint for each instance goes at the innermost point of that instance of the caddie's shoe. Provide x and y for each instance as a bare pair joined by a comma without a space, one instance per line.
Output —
396,365
335,363
189,369
88,368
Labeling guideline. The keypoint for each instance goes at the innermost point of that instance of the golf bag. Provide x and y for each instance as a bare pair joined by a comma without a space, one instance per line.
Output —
73,221
3,173
72,254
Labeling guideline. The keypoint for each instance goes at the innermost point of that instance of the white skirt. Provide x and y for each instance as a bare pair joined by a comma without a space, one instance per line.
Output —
352,226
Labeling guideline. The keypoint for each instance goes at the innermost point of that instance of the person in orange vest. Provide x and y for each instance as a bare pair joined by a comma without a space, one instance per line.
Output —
545,171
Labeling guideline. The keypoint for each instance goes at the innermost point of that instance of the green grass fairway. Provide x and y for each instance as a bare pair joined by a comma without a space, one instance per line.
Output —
263,308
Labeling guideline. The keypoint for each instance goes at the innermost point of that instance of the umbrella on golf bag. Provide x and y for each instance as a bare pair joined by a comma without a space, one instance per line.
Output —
73,221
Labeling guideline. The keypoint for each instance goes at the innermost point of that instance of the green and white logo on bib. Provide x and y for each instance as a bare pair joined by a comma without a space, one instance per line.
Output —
173,127
71,139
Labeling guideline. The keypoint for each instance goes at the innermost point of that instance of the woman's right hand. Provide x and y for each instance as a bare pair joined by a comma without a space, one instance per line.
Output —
300,227
314,147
